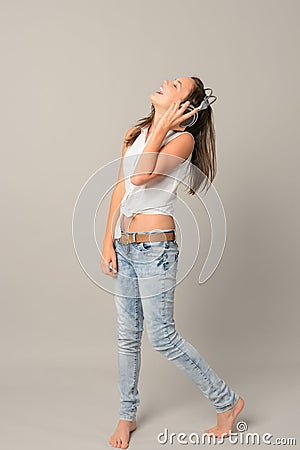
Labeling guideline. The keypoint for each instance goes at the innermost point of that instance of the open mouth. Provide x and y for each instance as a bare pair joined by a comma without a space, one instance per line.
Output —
160,91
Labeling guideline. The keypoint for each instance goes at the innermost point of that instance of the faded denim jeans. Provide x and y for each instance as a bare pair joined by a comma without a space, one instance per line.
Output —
144,290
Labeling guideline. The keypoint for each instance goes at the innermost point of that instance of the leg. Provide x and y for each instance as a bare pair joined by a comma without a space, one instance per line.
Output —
129,334
158,311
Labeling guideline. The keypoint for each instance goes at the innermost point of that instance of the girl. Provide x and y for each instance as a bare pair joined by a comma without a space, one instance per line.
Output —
141,252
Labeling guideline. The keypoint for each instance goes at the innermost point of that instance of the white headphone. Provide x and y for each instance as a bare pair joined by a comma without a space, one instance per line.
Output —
203,105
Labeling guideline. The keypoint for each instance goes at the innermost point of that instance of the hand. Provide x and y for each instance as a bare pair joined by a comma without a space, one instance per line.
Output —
109,261
175,115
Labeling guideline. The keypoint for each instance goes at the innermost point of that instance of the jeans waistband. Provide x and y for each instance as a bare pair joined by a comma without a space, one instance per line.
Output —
149,232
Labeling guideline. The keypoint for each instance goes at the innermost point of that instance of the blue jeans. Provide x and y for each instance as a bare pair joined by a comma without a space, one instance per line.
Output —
144,289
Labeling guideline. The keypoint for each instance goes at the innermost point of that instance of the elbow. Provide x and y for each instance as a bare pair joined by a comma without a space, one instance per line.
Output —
137,180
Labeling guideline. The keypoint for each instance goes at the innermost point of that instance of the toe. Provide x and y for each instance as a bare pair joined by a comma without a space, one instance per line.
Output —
222,434
208,431
211,431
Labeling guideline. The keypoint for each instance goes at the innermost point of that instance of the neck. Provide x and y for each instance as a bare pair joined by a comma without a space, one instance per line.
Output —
157,116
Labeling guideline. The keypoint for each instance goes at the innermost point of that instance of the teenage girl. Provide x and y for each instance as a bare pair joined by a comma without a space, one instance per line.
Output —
141,252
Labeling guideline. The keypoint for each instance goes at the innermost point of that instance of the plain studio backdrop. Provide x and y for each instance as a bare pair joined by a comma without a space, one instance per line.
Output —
75,75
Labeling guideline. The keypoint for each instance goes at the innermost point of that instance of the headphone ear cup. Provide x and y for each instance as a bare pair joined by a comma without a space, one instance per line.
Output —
190,120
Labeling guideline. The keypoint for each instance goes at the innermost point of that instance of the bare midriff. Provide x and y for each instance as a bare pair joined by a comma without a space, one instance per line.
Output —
146,222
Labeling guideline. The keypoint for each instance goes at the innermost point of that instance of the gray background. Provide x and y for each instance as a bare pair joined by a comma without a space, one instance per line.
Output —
67,69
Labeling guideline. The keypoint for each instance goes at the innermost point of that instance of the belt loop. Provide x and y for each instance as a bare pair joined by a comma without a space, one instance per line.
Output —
133,237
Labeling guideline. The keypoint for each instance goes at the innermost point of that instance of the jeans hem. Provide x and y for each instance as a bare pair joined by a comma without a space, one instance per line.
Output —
227,408
131,419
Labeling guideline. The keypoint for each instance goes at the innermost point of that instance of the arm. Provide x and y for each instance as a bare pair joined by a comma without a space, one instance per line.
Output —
117,195
153,159
155,162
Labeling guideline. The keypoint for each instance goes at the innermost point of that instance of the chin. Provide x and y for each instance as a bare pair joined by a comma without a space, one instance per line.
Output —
155,99
153,96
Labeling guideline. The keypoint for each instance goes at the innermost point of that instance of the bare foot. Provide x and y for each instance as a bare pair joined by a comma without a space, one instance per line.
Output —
120,437
226,420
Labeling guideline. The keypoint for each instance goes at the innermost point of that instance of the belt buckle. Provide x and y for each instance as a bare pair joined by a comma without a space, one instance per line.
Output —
125,239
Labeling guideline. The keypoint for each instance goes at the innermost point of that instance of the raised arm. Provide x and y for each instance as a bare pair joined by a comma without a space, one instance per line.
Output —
155,161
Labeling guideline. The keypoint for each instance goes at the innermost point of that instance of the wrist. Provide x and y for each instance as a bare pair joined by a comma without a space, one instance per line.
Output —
108,241
161,128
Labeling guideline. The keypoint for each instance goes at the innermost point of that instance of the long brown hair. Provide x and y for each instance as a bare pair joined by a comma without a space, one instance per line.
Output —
203,130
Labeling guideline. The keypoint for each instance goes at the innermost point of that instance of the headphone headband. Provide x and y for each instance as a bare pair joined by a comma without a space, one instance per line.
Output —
205,102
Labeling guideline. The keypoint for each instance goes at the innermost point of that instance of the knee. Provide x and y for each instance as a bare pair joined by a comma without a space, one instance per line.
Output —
129,341
163,340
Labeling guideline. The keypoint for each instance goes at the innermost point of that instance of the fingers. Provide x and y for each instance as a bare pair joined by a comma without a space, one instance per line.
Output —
190,113
184,106
185,116
175,105
175,114
109,268
114,265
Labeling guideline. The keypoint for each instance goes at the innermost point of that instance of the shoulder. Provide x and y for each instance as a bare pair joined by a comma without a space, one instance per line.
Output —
128,135
129,132
180,143
185,136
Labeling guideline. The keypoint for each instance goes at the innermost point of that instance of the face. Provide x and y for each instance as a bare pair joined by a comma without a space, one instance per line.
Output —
171,91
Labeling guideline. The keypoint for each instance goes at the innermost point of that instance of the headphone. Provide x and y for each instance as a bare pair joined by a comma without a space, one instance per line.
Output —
190,121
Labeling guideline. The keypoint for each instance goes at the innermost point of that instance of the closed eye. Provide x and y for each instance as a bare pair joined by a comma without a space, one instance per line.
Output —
179,85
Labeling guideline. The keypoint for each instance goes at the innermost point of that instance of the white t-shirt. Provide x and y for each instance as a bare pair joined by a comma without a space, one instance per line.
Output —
160,197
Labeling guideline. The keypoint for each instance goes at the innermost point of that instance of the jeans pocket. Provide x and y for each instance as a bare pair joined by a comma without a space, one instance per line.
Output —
143,247
148,247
